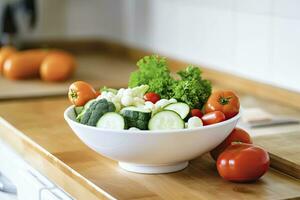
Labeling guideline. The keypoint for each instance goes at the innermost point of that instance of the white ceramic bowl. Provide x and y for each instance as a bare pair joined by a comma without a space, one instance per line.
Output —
151,151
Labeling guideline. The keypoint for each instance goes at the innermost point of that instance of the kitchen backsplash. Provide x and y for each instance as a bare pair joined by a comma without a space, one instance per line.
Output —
256,39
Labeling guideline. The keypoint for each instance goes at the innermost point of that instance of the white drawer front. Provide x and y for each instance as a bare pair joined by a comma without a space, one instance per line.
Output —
31,185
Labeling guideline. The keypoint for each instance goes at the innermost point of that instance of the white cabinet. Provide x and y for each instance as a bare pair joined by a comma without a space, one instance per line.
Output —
54,194
29,183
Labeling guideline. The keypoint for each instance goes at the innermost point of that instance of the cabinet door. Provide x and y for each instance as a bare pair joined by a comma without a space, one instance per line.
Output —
7,196
54,194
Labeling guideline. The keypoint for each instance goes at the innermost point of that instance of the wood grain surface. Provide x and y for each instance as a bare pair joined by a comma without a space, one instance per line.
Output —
96,68
284,150
50,146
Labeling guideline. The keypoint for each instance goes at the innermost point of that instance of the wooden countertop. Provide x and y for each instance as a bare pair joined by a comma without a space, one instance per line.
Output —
48,144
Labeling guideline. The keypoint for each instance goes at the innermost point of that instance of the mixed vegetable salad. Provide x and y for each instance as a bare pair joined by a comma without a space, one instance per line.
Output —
155,100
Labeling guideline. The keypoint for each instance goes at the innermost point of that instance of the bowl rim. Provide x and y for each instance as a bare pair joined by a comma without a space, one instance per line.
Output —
156,132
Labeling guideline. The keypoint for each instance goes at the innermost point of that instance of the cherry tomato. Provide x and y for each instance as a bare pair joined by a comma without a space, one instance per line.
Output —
151,96
224,101
57,66
196,113
213,118
237,135
243,162
81,92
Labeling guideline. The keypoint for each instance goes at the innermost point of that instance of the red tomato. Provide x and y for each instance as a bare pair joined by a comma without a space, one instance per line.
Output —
57,66
243,163
151,96
213,118
24,64
224,101
237,135
196,113
81,92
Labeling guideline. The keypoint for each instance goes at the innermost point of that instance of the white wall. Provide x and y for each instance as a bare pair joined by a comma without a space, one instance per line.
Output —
256,39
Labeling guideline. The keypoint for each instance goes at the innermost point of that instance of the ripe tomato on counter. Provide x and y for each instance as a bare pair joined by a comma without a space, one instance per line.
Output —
243,163
237,135
57,66
5,52
24,64
224,101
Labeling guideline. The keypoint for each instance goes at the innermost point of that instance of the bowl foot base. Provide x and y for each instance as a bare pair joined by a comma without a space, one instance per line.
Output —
153,169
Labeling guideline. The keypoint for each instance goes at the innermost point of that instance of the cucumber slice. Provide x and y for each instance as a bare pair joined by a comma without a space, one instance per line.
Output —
78,110
136,117
111,120
166,120
181,108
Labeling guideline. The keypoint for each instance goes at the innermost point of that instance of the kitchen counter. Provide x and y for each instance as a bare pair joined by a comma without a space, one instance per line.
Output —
48,144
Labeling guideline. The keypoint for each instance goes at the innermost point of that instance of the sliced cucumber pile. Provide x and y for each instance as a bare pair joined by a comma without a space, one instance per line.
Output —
180,108
103,114
111,120
166,120
136,117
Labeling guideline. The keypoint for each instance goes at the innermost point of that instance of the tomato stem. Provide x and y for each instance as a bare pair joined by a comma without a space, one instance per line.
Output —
224,100
73,94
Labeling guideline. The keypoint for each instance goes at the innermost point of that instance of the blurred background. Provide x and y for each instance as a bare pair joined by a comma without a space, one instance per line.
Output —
256,39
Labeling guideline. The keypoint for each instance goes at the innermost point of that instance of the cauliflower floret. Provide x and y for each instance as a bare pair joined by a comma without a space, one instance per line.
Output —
149,105
140,91
128,92
106,95
110,95
120,92
132,96
194,122
138,101
127,100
